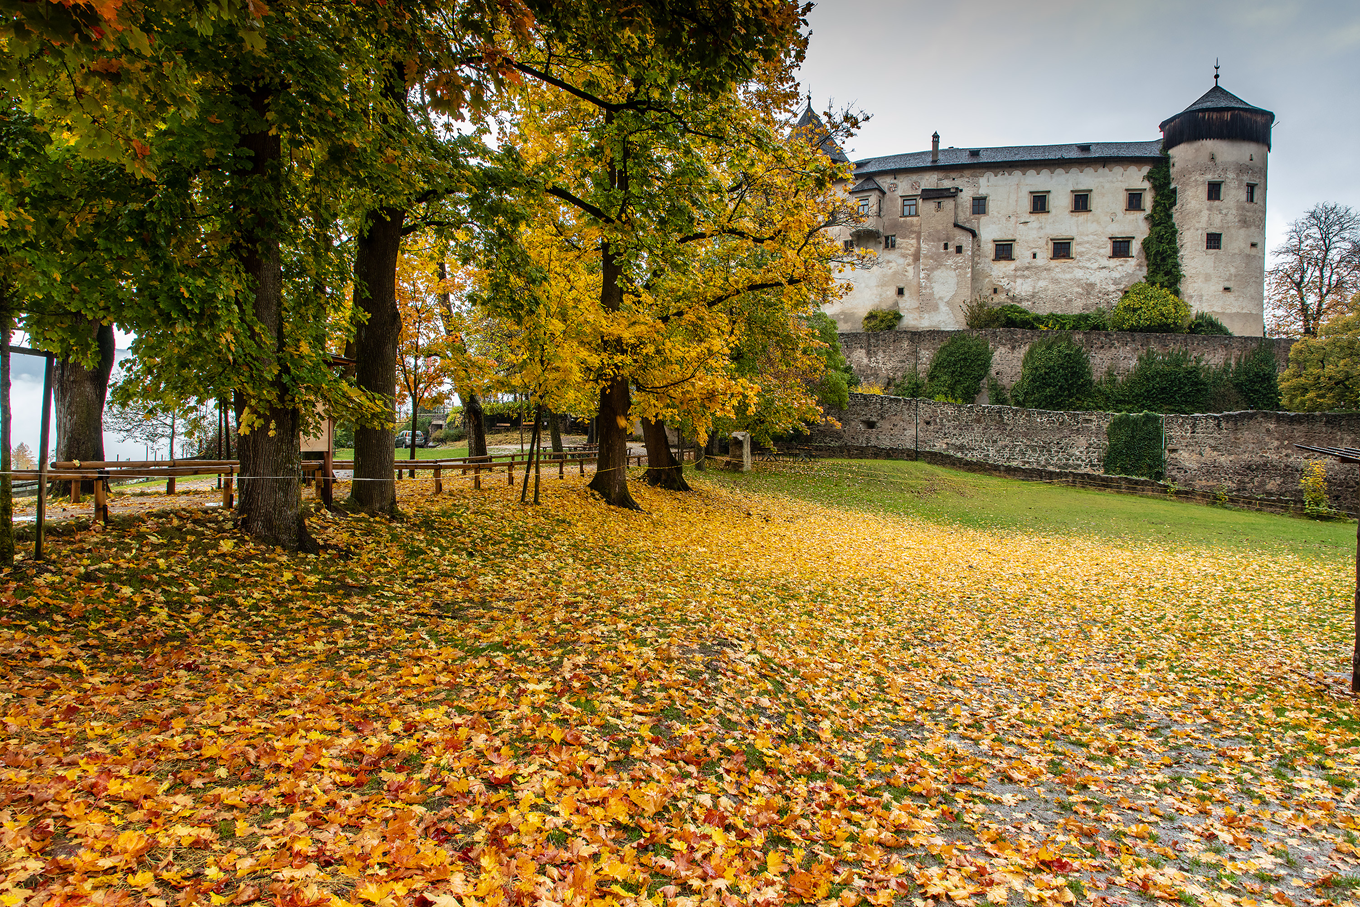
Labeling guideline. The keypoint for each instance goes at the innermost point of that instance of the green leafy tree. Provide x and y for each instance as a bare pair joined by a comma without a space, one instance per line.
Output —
1148,307
1324,371
833,388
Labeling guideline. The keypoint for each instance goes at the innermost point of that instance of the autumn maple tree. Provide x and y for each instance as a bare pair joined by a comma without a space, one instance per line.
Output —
637,177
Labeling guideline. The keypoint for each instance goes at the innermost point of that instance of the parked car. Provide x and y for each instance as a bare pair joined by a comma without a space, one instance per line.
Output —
404,439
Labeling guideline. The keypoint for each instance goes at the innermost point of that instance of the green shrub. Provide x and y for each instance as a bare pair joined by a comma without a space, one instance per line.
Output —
1011,315
979,314
1314,485
881,320
996,392
1204,323
1168,382
1145,307
1055,374
1256,378
909,385
957,370
1135,446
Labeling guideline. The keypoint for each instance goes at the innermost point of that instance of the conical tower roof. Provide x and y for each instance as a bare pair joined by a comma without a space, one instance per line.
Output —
1218,98
1218,114
822,135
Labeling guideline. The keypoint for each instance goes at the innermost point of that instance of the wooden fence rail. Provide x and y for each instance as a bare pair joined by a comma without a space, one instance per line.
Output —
102,472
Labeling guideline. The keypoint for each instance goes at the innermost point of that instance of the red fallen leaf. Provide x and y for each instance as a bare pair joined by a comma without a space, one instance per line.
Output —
1058,864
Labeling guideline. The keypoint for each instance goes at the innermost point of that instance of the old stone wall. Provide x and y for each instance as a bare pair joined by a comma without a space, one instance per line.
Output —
883,357
1248,454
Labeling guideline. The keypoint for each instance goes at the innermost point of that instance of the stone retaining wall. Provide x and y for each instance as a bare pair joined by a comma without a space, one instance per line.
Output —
1248,454
883,357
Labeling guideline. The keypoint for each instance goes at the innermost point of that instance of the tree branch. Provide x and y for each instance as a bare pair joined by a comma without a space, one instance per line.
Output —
559,192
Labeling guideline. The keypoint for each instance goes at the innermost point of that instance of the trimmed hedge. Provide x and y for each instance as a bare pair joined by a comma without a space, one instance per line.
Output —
1135,446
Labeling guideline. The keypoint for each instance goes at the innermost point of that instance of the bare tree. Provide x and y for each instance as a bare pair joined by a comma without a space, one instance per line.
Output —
1317,269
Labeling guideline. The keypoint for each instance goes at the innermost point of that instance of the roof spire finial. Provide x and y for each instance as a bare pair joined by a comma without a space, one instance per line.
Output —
1215,71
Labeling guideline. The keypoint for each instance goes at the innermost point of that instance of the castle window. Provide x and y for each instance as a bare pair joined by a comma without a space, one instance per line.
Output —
958,250
1215,192
980,205
1081,201
863,207
1121,248
890,242
1134,201
1062,248
901,291
1251,193
908,207
1213,240
849,245
1005,251
1038,203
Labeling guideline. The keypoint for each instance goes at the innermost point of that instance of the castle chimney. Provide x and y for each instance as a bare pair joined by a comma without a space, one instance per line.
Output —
935,148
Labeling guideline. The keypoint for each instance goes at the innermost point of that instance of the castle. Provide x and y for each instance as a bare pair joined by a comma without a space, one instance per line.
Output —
1059,228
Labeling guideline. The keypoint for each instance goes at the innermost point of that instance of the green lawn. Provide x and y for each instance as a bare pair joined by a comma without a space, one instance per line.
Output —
952,497
446,452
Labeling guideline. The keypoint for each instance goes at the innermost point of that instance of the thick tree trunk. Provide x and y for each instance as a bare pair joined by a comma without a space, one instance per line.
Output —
80,395
611,465
271,454
555,431
375,293
663,470
6,464
475,421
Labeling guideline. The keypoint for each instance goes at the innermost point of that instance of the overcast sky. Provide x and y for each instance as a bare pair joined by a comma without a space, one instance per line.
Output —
987,73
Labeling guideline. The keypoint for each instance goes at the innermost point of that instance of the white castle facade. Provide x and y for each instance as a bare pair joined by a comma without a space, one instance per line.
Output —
1059,228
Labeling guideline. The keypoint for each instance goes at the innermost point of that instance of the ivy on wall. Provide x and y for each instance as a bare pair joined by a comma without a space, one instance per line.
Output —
957,370
1161,247
1135,446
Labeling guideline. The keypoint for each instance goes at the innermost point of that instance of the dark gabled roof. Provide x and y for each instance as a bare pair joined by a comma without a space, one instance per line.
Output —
810,120
1217,98
1012,154
868,184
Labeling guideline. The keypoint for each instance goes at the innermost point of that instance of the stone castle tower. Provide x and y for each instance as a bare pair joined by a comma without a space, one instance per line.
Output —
1218,148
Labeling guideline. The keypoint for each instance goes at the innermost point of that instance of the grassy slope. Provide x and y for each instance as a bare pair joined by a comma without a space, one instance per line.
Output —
973,501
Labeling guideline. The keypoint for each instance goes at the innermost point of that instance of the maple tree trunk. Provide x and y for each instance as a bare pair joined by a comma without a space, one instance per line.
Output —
555,431
6,464
375,293
475,421
663,470
80,395
611,464
271,454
